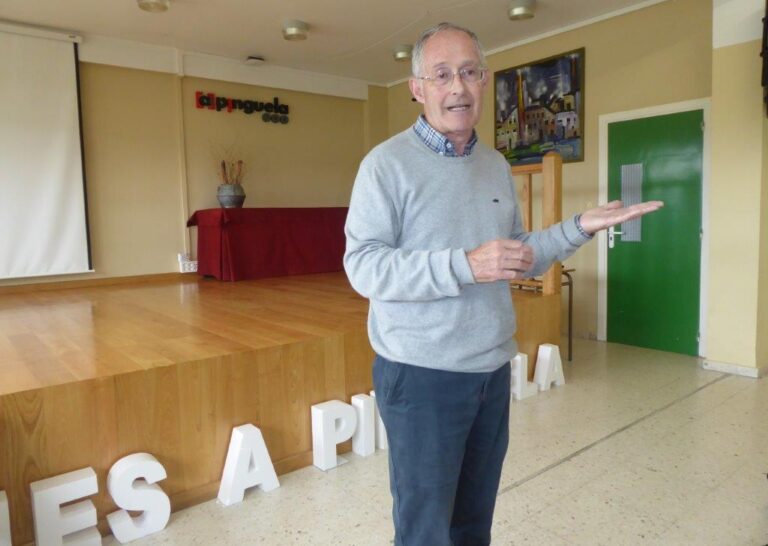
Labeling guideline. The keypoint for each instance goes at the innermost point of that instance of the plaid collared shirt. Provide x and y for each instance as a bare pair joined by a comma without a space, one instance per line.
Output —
437,142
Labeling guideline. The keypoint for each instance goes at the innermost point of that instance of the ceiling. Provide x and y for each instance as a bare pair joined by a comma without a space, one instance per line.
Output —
351,38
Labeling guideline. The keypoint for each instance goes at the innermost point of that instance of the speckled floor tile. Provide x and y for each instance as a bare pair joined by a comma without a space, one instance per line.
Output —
587,517
639,447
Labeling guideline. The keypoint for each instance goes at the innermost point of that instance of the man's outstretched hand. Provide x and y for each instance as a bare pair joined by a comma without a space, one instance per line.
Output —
614,213
507,259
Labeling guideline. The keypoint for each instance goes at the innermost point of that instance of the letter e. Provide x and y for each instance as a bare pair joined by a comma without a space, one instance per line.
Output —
76,521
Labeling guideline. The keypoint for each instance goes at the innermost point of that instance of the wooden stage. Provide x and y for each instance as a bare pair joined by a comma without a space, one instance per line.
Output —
91,374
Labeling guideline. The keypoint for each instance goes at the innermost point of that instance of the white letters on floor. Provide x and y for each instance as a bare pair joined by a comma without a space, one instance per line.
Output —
549,370
248,464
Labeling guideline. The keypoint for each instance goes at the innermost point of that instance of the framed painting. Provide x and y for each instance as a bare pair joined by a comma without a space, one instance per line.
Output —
539,107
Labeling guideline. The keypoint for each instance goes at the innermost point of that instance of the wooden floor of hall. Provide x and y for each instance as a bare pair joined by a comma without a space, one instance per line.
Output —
91,374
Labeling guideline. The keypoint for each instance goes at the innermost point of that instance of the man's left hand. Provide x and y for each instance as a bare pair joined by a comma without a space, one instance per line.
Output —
614,213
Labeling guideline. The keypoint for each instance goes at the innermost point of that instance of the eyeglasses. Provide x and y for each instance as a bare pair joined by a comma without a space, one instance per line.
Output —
444,76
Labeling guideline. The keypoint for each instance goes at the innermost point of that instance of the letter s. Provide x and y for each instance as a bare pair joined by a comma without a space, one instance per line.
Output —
131,483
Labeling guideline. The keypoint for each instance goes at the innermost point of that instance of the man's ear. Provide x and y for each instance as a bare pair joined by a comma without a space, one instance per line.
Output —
416,90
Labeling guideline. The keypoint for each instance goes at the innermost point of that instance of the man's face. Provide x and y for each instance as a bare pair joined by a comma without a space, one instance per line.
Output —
453,109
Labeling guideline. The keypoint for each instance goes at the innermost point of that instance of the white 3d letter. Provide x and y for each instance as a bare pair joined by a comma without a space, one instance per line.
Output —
248,465
77,521
381,432
131,483
521,387
549,367
364,438
5,521
325,433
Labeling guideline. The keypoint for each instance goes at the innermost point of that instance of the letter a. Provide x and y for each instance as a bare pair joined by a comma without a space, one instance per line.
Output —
549,367
248,465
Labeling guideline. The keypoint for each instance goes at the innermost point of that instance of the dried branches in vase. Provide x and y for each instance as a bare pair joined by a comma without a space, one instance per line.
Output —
232,174
231,194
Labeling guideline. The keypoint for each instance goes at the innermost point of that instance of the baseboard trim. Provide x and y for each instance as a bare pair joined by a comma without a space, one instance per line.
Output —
734,369
103,281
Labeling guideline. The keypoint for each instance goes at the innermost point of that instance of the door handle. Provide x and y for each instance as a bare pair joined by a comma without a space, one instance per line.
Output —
612,236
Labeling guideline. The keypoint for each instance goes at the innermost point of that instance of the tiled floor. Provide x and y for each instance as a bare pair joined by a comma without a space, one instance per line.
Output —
639,447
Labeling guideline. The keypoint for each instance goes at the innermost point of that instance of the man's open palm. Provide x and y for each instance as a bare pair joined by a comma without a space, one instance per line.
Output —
614,213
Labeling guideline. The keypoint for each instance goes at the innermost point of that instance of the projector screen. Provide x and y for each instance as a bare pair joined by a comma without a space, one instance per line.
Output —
43,217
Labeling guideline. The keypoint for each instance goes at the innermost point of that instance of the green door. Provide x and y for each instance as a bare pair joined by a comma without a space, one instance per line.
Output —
654,263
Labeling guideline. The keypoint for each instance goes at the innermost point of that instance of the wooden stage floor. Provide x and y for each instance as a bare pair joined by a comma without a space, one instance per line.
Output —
52,337
89,375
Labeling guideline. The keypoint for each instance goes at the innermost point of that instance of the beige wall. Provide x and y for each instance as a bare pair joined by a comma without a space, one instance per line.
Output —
130,122
376,116
401,109
151,159
735,212
309,162
657,55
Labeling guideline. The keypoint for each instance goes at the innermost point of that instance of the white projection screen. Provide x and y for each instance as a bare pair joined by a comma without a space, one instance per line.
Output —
43,217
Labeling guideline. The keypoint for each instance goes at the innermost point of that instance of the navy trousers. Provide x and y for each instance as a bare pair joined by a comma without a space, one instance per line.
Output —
448,434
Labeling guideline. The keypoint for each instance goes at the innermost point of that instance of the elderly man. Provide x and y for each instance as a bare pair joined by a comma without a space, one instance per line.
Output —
433,235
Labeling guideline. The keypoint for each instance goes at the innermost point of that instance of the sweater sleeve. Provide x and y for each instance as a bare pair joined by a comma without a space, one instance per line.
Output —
376,267
553,244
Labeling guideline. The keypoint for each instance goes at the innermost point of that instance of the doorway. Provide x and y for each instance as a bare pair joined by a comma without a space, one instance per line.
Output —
650,274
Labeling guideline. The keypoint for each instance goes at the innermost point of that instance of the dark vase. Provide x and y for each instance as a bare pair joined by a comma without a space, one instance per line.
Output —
231,196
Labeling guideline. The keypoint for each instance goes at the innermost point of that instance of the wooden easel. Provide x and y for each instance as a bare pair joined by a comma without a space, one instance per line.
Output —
538,311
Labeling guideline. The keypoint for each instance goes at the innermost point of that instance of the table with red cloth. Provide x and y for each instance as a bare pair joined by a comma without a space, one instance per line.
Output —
237,244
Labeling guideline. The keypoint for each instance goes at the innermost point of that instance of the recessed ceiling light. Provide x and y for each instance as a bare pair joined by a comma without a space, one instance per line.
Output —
154,6
402,53
295,30
521,9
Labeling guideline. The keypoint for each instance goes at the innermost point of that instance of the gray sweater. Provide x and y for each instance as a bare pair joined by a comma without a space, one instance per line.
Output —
413,216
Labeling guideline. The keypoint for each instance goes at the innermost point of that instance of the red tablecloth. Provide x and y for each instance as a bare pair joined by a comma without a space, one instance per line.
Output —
237,244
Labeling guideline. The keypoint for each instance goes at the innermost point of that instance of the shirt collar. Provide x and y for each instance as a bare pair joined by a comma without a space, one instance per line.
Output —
437,142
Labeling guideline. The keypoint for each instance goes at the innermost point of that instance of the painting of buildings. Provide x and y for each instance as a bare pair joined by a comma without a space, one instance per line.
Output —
539,107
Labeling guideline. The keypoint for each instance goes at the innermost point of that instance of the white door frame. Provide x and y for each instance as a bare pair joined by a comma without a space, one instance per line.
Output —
602,241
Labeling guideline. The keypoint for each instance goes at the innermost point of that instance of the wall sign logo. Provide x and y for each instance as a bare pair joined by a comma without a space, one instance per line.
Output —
271,112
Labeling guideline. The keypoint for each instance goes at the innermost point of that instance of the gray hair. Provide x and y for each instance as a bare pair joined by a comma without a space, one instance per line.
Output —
417,57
